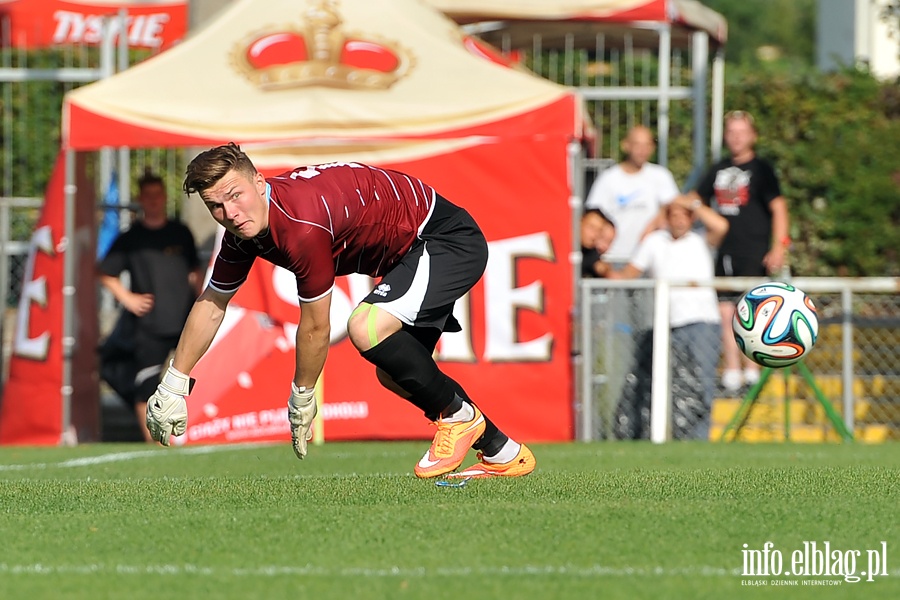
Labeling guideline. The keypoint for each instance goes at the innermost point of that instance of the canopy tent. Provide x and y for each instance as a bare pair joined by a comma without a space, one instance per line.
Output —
581,20
397,85
597,26
387,71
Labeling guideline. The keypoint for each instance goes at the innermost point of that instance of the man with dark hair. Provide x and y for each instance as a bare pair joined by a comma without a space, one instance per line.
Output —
334,219
160,255
597,234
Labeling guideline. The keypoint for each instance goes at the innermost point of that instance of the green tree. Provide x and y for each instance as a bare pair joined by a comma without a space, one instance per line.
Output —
834,139
787,26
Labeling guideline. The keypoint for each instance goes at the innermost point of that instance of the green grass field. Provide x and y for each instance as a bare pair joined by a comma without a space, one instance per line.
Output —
613,520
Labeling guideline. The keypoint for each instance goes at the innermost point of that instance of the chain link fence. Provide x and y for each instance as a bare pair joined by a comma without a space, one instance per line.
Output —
853,382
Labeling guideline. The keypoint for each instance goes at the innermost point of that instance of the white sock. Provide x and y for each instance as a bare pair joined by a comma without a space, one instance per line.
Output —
731,379
751,376
466,413
508,452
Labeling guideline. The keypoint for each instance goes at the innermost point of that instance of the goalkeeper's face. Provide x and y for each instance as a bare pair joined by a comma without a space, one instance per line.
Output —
238,203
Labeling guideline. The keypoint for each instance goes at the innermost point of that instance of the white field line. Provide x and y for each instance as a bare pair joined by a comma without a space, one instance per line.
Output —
88,461
273,571
322,571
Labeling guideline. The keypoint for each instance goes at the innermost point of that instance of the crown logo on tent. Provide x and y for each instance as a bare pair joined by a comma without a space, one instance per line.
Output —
320,53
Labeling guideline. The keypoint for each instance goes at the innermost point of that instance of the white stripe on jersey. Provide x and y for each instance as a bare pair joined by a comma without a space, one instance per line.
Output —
391,181
330,222
303,221
235,262
428,216
322,295
226,288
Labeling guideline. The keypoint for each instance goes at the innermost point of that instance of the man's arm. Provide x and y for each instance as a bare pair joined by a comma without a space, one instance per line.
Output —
138,304
166,409
774,258
629,271
715,224
313,335
202,324
313,338
692,195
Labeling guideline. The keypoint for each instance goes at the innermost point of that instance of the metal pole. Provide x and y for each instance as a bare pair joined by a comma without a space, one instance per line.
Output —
107,69
585,365
69,262
699,69
577,317
659,387
7,186
665,62
718,104
124,152
4,283
847,358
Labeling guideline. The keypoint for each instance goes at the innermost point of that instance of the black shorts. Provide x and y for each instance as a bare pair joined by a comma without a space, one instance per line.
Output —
729,265
151,352
444,263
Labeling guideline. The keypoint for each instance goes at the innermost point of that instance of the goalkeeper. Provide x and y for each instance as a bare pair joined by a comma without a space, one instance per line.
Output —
322,221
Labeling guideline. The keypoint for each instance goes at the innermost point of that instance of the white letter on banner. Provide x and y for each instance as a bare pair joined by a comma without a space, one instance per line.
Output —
93,33
33,290
457,346
285,285
502,299
151,34
67,22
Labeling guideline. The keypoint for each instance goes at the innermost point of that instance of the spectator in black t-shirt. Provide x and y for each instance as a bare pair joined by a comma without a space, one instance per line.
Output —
161,257
745,190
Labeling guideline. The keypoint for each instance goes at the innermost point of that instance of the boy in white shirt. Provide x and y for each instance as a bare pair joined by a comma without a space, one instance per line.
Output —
679,253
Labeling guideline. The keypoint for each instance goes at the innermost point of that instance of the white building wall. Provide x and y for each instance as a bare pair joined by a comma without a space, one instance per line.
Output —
852,32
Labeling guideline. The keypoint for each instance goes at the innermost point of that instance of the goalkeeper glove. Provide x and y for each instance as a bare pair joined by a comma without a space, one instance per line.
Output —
301,412
166,409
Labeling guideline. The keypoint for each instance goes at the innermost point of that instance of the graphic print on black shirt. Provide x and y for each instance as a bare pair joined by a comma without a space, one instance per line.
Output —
742,194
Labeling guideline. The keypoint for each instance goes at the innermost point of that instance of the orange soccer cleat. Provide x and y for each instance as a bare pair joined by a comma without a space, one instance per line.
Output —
450,445
522,464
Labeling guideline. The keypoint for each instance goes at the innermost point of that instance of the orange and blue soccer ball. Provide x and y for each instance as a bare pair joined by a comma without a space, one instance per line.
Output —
775,324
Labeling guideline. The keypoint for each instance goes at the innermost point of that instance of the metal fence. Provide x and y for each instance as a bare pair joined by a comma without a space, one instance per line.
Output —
18,217
639,75
627,390
32,86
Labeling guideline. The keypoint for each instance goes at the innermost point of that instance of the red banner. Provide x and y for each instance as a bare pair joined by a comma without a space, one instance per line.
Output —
31,411
45,23
512,356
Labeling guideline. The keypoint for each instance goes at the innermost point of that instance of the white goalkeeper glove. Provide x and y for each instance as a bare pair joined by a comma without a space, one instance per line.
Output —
166,409
301,412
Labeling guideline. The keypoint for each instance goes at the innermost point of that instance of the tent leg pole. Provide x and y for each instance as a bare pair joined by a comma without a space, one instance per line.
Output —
68,316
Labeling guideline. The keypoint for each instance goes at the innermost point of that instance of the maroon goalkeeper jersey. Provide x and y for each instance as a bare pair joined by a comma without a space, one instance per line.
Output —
328,220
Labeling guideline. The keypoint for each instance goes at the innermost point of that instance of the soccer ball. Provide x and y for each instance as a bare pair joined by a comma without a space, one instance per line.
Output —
775,324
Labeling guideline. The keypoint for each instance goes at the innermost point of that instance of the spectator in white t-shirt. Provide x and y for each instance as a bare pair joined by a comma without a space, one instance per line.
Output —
678,253
632,193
